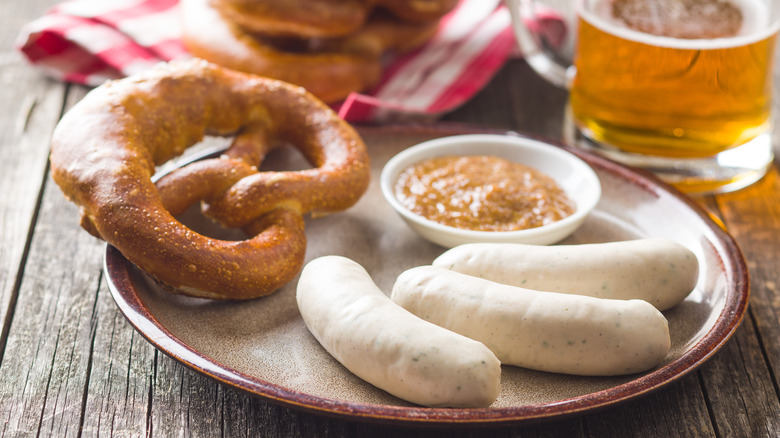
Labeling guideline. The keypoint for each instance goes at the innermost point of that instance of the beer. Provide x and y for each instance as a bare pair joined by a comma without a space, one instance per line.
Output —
683,92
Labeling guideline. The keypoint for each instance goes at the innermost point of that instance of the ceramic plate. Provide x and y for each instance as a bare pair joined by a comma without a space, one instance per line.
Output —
263,347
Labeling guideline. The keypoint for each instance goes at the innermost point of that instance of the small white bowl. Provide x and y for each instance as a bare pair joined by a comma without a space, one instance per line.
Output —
573,175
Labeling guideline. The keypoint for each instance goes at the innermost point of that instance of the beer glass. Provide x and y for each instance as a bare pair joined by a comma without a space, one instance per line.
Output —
682,88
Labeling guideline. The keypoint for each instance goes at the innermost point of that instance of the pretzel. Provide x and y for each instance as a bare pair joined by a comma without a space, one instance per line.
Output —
106,149
324,18
329,68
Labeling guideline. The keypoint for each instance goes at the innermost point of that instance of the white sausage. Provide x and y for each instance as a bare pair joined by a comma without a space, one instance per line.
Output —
656,270
572,334
389,347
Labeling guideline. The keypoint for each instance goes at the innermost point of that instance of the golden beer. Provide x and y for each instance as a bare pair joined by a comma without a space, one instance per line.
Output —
669,96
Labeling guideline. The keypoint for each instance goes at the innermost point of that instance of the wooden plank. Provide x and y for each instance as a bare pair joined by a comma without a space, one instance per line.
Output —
744,389
188,404
47,354
117,376
121,375
31,107
739,388
678,410
738,384
91,373
49,303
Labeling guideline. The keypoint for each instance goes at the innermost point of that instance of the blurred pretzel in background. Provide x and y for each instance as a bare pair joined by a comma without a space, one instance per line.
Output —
329,47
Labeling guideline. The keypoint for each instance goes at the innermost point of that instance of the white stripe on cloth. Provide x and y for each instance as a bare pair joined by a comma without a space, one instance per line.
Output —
148,30
95,38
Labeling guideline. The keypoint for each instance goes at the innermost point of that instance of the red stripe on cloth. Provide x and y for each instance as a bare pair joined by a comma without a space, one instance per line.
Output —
43,45
74,64
46,38
64,46
358,108
362,108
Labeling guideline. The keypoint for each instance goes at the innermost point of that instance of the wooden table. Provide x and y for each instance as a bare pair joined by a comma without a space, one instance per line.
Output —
72,365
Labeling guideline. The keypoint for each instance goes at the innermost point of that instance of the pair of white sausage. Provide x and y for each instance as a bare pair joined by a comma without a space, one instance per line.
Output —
589,309
421,359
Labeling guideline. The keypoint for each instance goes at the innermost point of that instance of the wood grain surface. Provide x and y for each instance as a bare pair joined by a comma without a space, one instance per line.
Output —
72,366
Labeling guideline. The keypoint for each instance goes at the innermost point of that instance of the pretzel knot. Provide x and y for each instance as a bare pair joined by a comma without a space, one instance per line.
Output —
106,148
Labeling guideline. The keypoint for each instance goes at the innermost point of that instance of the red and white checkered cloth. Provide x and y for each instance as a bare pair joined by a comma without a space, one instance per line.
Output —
90,41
